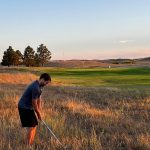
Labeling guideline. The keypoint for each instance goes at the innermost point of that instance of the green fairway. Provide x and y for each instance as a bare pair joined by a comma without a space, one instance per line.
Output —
98,76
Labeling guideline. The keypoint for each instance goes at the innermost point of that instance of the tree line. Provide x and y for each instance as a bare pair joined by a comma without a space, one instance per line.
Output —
28,58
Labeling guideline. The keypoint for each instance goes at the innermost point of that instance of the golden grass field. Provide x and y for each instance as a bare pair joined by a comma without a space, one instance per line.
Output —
87,118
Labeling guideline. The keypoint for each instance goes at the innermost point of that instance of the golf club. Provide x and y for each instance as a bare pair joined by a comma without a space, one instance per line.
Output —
66,147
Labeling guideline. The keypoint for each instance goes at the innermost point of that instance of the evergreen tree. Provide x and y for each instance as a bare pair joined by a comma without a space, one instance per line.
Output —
43,54
9,57
20,57
29,58
14,58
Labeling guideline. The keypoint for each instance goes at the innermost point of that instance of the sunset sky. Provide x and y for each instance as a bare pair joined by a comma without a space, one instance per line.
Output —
77,29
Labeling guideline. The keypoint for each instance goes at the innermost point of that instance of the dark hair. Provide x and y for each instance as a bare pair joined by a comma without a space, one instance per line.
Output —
45,76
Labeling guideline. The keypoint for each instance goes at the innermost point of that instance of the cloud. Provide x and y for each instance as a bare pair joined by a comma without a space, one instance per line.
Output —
124,41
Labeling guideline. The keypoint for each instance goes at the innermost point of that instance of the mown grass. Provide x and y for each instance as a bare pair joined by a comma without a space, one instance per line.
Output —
113,77
87,118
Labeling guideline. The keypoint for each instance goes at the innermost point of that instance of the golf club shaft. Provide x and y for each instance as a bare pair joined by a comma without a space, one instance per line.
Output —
52,132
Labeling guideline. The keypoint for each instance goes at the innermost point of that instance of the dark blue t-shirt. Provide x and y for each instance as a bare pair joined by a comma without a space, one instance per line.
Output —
33,91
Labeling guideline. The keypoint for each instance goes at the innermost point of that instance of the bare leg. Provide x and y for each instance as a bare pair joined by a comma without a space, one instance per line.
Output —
30,135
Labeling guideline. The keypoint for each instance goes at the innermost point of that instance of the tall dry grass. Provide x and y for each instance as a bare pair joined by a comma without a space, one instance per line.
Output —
17,78
85,118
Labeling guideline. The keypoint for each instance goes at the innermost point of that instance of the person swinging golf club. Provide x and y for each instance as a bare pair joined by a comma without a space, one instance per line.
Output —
29,106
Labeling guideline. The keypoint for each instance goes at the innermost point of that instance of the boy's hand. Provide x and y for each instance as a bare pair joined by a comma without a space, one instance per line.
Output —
39,116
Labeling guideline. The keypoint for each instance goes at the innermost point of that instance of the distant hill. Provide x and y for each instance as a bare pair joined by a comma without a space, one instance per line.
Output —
77,63
146,58
99,63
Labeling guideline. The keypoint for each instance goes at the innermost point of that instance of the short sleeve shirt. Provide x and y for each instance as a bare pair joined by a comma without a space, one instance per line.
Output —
32,92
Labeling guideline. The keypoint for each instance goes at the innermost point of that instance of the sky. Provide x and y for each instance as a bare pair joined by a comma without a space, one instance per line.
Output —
77,29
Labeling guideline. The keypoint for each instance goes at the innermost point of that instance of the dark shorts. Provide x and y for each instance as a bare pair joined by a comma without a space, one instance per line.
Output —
27,117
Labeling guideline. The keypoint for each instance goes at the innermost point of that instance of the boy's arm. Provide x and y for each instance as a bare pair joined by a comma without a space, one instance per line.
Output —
35,104
39,102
